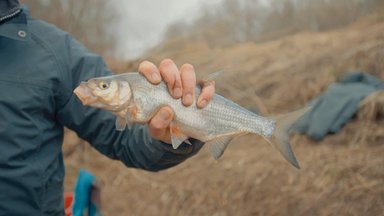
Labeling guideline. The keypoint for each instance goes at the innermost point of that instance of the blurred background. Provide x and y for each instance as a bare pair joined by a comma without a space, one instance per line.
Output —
277,55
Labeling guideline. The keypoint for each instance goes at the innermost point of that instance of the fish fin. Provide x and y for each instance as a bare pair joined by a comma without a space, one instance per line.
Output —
281,135
129,121
177,136
218,146
120,123
215,75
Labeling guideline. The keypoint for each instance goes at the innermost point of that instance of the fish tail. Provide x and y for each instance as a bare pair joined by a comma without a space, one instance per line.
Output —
280,138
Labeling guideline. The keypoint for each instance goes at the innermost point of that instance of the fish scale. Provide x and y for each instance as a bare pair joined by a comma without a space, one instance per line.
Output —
219,117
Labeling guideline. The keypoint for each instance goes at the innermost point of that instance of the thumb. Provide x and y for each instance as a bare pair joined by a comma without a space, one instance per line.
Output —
159,124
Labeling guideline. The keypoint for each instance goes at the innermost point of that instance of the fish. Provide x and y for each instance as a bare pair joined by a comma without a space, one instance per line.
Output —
133,99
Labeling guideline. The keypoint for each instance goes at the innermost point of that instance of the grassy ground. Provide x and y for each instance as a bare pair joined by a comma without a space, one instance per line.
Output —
341,175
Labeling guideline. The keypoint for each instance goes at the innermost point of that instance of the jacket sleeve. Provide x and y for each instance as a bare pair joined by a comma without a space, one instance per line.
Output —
135,148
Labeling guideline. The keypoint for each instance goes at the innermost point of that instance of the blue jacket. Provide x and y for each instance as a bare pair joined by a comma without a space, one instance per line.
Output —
40,66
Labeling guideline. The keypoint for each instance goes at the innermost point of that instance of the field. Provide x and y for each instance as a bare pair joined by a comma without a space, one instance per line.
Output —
341,175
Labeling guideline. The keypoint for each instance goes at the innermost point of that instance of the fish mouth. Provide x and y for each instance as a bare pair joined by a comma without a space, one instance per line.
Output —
84,93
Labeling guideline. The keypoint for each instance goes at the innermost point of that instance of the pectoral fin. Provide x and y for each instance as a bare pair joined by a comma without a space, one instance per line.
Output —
128,121
218,146
177,136
120,123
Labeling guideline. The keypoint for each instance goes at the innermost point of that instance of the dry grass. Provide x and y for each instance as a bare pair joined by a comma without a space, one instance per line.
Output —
341,175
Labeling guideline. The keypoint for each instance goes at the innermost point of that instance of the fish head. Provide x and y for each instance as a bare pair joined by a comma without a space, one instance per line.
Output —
105,93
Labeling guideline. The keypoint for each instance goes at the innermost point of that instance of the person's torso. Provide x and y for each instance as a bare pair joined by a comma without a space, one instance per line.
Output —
31,165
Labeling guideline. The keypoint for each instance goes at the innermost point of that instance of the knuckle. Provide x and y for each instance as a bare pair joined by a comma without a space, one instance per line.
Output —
187,67
168,70
166,62
145,66
145,62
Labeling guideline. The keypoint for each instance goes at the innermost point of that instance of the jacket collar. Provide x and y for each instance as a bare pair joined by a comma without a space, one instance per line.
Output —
15,27
8,8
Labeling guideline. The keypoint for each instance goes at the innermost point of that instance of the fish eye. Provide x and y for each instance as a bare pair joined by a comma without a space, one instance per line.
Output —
103,85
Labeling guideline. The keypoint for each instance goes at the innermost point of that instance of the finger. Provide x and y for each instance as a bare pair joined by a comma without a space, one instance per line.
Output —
171,76
159,124
188,80
207,92
150,71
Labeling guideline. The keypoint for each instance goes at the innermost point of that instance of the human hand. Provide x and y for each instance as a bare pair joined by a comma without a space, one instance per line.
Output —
181,84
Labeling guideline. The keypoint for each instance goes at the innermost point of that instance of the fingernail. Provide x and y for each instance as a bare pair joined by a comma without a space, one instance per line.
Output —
155,77
177,92
187,99
164,115
203,103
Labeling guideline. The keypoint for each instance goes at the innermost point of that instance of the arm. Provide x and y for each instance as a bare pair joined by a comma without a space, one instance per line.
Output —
135,148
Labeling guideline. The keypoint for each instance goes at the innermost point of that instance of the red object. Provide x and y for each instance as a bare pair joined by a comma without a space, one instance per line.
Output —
68,202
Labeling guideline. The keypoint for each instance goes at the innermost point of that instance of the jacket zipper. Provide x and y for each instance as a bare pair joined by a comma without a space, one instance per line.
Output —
10,15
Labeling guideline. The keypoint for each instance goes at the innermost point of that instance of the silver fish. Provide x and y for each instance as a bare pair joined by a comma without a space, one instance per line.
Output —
135,100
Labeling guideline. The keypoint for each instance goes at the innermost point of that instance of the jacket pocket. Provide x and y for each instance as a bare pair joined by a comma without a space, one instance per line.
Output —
22,108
